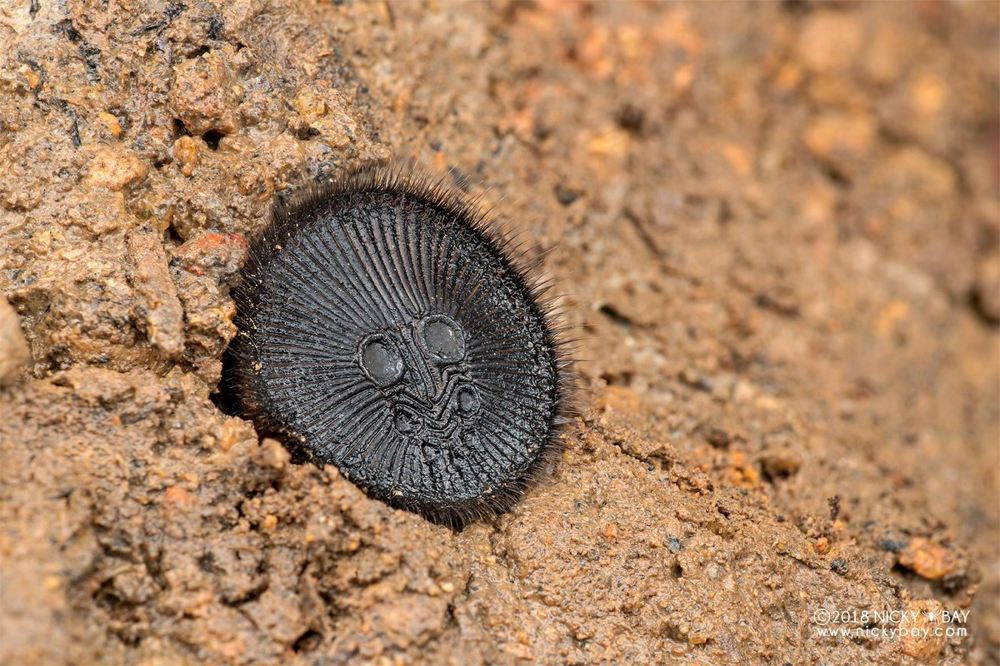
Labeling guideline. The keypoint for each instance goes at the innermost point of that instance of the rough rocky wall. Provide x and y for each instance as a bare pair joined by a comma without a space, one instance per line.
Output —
777,228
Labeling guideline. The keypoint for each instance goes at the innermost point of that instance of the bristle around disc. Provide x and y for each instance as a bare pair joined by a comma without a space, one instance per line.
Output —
387,328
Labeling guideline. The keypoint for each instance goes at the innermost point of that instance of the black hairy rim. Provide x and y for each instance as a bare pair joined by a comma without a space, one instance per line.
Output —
386,330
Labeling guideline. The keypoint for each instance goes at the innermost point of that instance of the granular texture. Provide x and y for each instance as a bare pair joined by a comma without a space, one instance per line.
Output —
776,227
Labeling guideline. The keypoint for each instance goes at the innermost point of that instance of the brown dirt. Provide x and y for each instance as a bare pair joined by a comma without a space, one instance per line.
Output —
778,229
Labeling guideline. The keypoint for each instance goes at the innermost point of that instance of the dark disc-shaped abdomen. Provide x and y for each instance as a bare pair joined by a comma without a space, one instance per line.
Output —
390,336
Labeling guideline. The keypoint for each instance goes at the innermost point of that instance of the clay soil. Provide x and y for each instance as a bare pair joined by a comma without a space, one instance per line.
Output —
775,228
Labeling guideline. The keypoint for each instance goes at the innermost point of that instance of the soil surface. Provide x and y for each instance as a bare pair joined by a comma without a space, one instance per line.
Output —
777,230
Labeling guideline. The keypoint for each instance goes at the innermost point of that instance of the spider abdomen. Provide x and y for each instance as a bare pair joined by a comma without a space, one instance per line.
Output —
385,331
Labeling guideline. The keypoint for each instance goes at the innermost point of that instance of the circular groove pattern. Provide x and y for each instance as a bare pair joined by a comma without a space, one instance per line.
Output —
385,330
